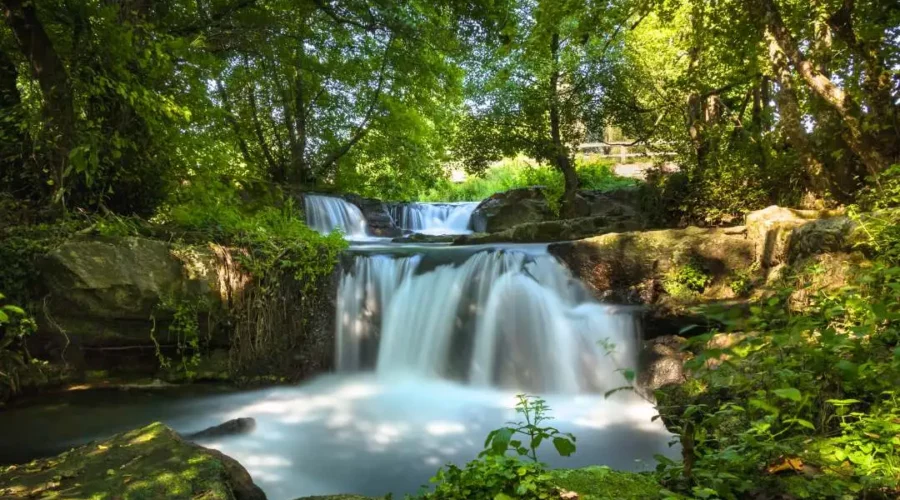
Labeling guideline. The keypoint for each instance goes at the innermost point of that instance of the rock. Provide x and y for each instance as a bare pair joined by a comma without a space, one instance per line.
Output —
549,231
151,462
505,210
229,428
103,296
425,238
770,230
377,214
124,278
821,236
628,268
661,362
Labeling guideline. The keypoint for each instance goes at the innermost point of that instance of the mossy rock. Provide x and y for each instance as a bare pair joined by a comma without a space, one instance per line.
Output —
603,483
148,463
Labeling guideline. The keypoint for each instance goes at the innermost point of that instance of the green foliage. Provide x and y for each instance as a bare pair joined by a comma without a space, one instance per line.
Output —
497,476
283,261
804,403
517,173
535,412
686,281
185,328
15,326
742,280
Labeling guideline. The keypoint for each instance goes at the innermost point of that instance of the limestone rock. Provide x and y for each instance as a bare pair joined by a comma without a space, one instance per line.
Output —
505,210
151,462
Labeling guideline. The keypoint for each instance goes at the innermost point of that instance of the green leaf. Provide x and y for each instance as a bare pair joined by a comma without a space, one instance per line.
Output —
564,446
789,393
803,423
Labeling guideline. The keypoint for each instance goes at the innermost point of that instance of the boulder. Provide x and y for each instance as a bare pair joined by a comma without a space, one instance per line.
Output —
627,268
770,231
151,462
831,235
106,292
377,214
661,362
229,428
505,210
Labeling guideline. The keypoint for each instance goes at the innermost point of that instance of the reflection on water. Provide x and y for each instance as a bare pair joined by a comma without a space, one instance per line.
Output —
343,433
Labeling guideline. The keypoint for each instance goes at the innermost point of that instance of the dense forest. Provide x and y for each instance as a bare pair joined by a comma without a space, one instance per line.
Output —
206,122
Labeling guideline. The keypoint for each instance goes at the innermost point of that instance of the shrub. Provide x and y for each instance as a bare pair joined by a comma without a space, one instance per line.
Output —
804,403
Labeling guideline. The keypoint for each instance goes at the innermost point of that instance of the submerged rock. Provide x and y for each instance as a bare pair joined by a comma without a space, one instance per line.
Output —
229,428
151,462
507,209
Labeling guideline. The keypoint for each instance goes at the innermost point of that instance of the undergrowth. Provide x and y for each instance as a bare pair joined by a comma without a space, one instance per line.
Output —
804,403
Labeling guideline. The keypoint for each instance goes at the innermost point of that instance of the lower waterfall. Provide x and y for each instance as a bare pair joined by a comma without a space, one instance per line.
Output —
503,318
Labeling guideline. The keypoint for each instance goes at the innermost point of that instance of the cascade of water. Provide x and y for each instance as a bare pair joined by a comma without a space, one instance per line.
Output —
327,213
498,318
434,218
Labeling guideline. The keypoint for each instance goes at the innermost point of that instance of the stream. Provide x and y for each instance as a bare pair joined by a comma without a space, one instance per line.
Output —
432,344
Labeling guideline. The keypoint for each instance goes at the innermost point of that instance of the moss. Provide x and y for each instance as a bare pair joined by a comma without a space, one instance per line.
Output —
602,483
147,463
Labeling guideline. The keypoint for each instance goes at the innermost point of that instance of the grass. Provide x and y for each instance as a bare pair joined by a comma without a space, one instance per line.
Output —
603,483
518,172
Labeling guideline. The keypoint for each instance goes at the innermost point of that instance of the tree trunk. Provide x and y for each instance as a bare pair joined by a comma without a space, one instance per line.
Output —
50,73
791,120
860,141
561,158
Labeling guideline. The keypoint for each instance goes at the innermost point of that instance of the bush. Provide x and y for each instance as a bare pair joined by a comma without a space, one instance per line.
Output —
805,403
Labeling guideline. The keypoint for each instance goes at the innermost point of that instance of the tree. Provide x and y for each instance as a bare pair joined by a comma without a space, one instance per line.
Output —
539,91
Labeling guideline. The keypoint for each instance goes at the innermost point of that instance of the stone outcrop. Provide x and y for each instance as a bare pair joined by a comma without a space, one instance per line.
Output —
377,214
107,292
627,268
661,363
554,230
507,209
109,303
151,462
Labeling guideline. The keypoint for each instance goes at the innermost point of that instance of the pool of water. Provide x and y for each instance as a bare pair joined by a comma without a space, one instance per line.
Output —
342,433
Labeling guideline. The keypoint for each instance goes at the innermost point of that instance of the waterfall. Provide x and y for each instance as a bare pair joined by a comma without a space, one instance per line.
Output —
434,218
506,318
327,213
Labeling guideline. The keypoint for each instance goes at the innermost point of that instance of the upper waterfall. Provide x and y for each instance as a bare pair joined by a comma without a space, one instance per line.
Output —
507,318
434,218
327,213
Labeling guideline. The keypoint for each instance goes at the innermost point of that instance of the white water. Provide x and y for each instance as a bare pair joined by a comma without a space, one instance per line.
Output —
432,346
511,319
328,213
434,218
